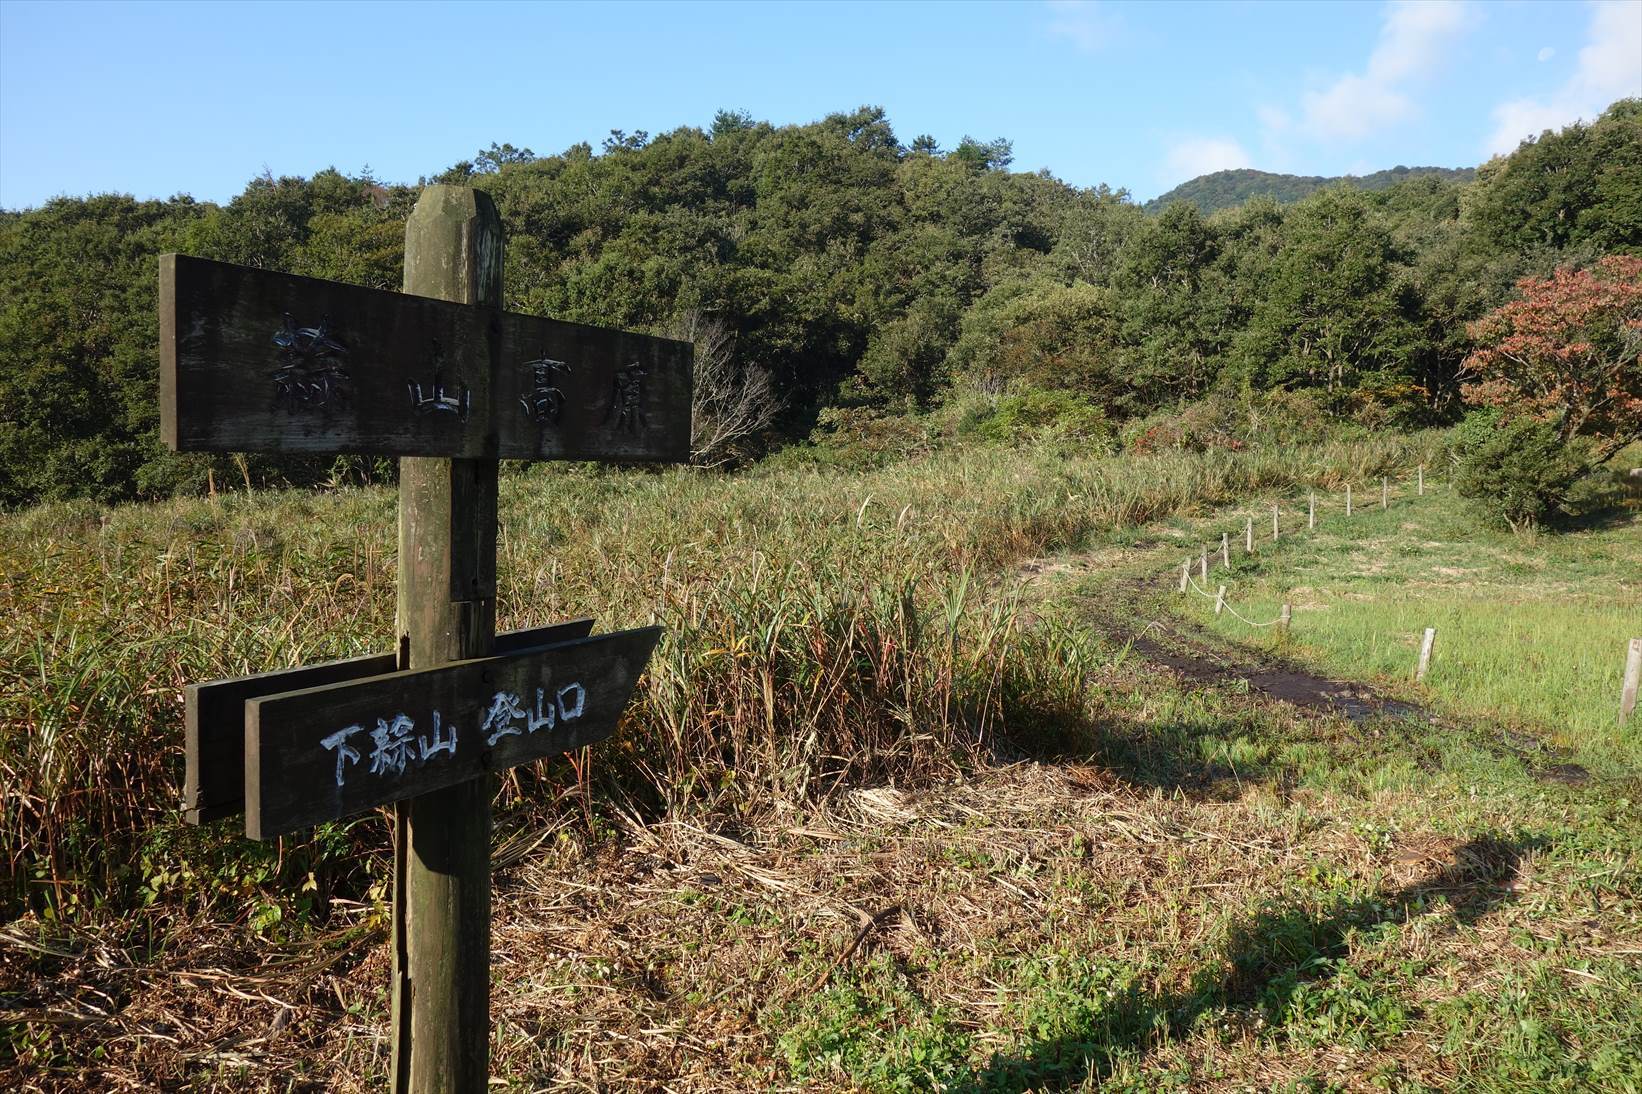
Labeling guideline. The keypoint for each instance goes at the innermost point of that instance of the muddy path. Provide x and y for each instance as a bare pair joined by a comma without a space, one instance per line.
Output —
1124,608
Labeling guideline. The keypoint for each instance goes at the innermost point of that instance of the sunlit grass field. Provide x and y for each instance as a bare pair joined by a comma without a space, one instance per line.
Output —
1531,629
898,807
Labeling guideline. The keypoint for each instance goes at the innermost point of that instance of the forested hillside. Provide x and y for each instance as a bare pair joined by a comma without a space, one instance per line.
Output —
1224,189
861,275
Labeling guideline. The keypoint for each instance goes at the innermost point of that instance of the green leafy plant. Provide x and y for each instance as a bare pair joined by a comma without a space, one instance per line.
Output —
1517,472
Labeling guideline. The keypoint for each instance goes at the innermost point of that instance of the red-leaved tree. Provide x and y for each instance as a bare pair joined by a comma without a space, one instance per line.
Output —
1566,353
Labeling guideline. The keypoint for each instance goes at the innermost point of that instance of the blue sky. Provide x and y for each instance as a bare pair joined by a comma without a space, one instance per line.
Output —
157,99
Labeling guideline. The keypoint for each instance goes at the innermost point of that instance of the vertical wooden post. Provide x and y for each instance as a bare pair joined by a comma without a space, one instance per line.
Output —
1426,643
1203,561
1385,492
1220,600
1311,512
1225,549
1348,499
1633,680
1421,473
447,612
1285,617
1185,574
1248,535
1274,524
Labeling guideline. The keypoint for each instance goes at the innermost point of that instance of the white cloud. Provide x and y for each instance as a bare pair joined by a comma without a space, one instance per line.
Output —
1545,54
1082,22
1195,156
1609,68
1412,42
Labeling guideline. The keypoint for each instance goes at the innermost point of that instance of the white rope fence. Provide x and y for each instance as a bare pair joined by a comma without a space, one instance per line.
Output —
1221,604
1630,698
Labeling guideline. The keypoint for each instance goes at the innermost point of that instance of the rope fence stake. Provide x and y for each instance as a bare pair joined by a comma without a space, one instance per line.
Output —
1274,524
1185,574
1311,512
1426,643
1248,536
1422,480
1385,491
1225,550
1204,561
1633,680
1220,600
1348,499
1285,617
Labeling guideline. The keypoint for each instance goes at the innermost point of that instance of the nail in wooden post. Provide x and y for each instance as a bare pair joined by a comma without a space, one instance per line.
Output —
1311,512
1426,643
1248,536
1185,574
1385,492
1285,617
1421,473
1348,499
1220,600
1633,680
1225,549
447,612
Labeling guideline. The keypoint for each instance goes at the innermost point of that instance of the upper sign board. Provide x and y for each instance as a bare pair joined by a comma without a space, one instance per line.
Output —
255,361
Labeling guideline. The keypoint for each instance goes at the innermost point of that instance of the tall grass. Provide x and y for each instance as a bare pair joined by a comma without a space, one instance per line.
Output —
822,626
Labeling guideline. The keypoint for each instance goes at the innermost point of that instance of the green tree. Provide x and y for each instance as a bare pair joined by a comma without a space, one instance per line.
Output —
1579,187
1332,315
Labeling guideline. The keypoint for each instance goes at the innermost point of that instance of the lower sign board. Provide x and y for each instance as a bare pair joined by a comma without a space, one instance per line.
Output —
214,733
324,753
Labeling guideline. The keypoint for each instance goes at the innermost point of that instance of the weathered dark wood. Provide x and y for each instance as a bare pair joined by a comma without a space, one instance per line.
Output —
257,361
440,991
329,752
214,746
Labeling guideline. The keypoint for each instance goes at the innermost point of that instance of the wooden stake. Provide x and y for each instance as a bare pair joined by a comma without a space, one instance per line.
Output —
1274,524
1311,512
447,612
1185,574
1348,499
1285,617
1204,563
1385,492
1248,536
1220,600
1421,473
1225,549
1633,680
1426,643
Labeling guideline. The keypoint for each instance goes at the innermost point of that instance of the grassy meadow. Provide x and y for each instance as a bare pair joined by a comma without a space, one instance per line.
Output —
901,805
1531,629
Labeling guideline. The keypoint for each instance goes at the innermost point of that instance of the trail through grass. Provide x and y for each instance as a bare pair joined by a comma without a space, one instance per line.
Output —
884,819
1531,630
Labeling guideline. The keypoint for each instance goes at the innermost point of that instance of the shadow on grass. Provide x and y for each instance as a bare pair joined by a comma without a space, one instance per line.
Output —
1265,964
1605,499
1211,757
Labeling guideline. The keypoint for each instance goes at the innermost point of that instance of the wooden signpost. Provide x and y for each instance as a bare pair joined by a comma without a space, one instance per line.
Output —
255,361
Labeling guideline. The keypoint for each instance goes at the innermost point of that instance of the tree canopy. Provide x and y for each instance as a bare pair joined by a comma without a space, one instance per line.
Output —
840,267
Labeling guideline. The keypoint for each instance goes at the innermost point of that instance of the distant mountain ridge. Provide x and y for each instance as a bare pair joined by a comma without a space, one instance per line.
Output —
1224,189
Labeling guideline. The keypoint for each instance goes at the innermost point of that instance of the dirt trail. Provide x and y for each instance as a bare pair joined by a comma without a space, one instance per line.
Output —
1196,657
1125,614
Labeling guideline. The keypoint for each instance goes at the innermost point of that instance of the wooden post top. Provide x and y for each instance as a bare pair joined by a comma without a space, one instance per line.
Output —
256,361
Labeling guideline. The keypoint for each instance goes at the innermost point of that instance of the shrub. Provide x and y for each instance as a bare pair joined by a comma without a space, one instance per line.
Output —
1235,420
1033,414
1518,472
